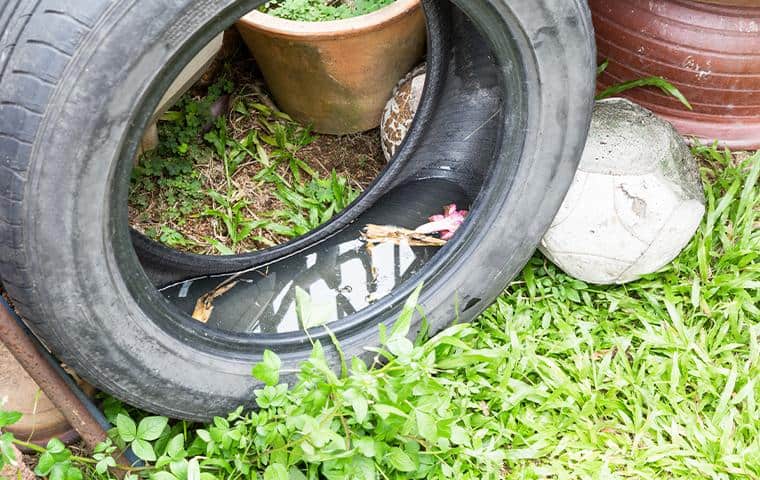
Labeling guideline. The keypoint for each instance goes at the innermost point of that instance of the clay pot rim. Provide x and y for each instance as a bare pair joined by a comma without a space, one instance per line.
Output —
332,29
731,3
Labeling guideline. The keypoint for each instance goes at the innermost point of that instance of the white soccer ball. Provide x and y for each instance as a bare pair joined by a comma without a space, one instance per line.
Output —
635,203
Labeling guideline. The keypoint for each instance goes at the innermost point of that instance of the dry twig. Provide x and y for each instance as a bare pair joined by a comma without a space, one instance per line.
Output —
377,234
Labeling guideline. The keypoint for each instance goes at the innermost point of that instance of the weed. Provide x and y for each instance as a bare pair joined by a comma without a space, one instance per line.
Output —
311,205
172,181
240,186
168,174
173,238
287,139
231,213
183,124
658,82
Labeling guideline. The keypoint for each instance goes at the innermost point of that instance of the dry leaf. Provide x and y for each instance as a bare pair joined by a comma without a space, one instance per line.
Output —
205,304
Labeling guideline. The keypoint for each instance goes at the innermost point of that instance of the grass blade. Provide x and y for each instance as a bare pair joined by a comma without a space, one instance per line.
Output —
658,82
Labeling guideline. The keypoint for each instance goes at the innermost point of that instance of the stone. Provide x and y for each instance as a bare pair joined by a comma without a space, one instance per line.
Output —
400,110
635,203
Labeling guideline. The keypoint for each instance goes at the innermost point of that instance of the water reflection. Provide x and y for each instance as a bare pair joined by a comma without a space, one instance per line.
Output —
341,275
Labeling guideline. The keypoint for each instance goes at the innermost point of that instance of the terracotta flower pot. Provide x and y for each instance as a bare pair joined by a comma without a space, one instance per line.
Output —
710,51
41,420
337,75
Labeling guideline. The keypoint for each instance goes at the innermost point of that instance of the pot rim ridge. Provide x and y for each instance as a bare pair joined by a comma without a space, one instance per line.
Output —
330,29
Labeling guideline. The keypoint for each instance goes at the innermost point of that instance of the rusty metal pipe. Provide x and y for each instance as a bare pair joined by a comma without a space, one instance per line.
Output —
50,377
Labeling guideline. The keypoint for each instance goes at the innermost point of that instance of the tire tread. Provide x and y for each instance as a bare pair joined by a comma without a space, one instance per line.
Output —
37,42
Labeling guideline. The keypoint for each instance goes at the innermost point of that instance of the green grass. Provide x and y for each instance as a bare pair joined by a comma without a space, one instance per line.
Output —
657,82
657,379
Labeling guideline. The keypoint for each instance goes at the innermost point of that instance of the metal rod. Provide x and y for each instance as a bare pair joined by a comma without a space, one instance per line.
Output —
47,374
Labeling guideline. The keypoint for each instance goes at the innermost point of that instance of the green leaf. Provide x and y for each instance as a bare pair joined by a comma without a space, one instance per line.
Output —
7,453
126,427
104,464
602,67
143,450
162,476
296,474
241,108
399,460
426,426
386,411
459,435
150,428
366,446
268,370
220,247
73,473
466,359
401,326
58,472
55,446
400,346
9,418
44,465
309,313
276,471
179,468
193,470
175,445
358,403
659,82
218,197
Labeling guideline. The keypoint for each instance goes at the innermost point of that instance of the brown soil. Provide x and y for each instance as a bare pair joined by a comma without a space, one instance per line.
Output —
358,157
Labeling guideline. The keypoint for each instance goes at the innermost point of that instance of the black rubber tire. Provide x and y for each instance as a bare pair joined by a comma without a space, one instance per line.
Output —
76,83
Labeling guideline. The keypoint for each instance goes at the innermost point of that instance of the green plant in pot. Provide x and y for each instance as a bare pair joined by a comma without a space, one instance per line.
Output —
333,63
322,10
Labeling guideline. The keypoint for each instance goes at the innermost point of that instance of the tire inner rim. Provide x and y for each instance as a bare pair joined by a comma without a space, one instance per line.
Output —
463,148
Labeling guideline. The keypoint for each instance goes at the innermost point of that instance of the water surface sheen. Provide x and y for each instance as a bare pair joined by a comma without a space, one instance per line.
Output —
341,275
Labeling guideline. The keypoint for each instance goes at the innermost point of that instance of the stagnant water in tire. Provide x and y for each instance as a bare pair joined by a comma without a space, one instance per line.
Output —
340,276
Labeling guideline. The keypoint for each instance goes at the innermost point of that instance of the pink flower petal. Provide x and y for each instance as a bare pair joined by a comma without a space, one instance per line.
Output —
447,224
438,226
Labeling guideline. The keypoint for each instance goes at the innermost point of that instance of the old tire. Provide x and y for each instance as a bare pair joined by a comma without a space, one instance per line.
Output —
76,88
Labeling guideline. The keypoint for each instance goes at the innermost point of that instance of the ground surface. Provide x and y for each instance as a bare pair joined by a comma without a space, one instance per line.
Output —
657,379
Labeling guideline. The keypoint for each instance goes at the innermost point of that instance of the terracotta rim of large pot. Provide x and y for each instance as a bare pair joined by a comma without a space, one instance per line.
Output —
334,28
733,3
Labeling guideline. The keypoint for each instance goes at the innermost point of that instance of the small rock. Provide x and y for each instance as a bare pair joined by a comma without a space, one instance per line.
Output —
400,109
635,202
